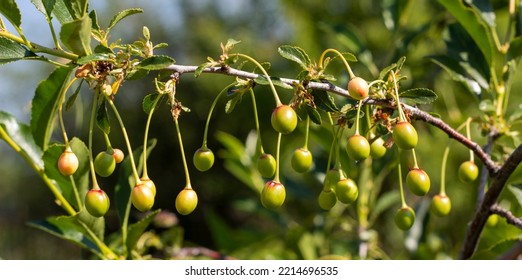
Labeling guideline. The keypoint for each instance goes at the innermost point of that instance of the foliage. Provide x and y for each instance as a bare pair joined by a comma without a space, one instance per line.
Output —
278,214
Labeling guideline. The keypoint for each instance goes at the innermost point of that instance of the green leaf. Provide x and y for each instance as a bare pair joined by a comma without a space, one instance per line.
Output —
148,102
137,229
230,44
515,48
385,201
231,104
45,6
156,62
72,98
94,19
80,177
21,135
418,96
517,193
95,57
474,25
261,79
46,103
63,11
324,101
295,54
10,10
67,228
11,51
202,67
458,73
76,35
102,118
121,15
313,114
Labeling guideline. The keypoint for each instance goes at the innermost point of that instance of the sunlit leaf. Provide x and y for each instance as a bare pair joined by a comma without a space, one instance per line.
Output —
418,96
10,10
276,81
324,101
295,54
21,135
76,35
156,62
12,51
137,229
121,15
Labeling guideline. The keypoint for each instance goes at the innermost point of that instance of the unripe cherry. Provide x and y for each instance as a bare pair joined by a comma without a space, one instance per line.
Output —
301,160
97,202
468,172
203,159
142,197
440,205
104,164
358,147
346,191
118,155
68,162
273,195
327,200
358,88
284,119
150,184
332,177
418,181
405,136
377,149
186,201
266,165
404,218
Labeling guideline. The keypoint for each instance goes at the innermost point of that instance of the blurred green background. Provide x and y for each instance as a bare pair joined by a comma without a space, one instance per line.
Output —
229,218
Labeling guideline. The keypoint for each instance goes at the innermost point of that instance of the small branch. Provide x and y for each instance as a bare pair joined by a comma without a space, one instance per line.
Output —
484,174
484,210
327,86
510,218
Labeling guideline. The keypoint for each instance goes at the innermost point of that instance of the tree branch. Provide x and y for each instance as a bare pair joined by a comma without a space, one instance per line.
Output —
510,218
416,113
484,210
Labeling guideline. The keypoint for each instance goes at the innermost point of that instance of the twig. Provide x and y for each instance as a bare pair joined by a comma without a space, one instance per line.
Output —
510,218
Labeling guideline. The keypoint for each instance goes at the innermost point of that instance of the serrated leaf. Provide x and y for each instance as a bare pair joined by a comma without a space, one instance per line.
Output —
230,44
68,228
148,102
80,177
314,115
137,229
45,104
11,51
418,96
21,134
121,15
275,80
63,12
201,67
102,118
45,6
324,101
76,35
295,54
11,12
156,62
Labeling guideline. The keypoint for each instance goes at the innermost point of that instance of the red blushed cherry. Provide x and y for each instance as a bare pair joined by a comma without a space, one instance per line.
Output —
358,88
273,195
142,197
97,202
118,155
68,162
284,119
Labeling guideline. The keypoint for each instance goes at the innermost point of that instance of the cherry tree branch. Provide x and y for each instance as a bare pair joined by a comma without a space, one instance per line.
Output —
506,214
415,113
485,209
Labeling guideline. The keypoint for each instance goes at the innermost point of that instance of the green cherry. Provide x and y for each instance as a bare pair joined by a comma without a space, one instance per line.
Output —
418,181
440,205
358,147
142,197
68,162
377,149
332,177
266,165
346,191
468,172
104,164
97,202
492,220
405,136
301,160
284,119
273,195
150,184
203,159
186,201
358,88
327,200
404,218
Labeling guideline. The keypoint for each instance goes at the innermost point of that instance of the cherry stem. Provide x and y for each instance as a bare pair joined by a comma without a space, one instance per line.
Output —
415,164
259,143
468,134
401,189
278,149
402,117
223,91
60,111
443,171
108,143
307,132
95,185
145,174
185,166
272,87
321,59
357,117
127,142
